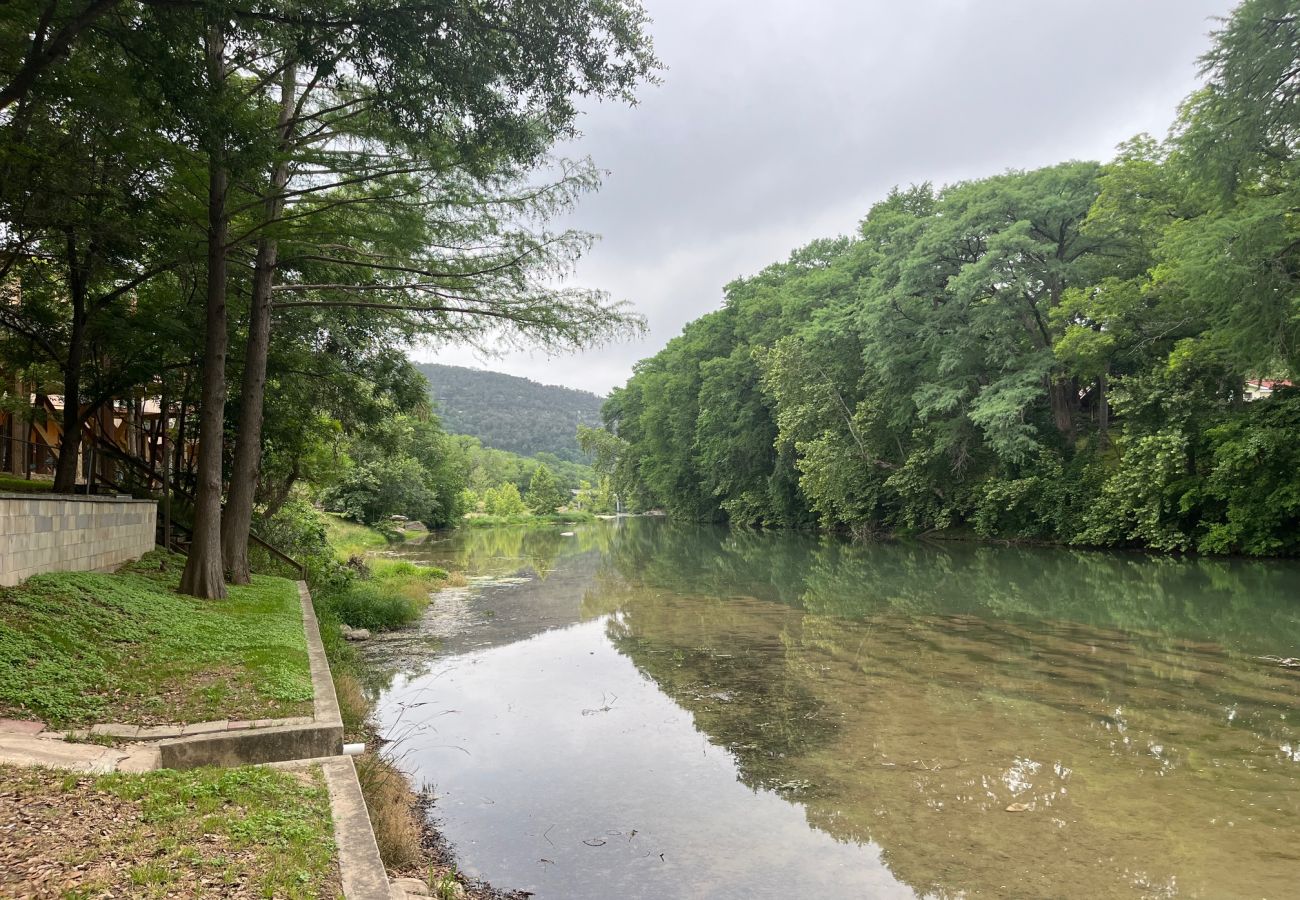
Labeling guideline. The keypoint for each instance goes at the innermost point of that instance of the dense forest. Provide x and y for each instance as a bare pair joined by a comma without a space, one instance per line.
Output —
511,413
1097,354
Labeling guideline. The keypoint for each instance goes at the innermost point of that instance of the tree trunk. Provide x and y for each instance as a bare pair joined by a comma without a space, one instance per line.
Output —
1103,410
106,433
65,471
275,502
162,459
178,449
203,575
238,519
1064,396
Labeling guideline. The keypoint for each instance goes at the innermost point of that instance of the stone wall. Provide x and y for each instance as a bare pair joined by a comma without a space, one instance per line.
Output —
57,533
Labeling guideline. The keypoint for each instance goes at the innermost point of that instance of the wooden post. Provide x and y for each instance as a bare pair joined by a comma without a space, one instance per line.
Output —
17,446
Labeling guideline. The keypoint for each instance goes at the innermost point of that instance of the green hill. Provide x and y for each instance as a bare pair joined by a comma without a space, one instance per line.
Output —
511,413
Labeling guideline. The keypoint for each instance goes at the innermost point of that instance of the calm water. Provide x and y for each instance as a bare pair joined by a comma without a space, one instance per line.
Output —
646,709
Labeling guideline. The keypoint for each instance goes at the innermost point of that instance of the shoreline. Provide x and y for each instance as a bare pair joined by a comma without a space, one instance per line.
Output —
402,812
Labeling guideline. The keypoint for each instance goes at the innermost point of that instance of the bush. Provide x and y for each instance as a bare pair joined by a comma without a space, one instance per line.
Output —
368,604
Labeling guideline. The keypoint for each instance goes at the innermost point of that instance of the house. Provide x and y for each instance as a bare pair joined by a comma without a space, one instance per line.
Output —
1261,388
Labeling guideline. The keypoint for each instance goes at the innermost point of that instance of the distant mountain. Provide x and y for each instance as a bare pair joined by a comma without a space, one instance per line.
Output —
511,413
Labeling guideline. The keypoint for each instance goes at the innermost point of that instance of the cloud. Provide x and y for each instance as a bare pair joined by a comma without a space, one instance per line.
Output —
778,123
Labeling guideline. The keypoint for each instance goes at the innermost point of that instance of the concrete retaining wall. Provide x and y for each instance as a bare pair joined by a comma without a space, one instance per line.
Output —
56,533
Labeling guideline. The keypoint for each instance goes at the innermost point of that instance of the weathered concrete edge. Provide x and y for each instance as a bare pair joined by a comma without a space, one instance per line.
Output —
360,868
253,745
276,743
90,498
325,701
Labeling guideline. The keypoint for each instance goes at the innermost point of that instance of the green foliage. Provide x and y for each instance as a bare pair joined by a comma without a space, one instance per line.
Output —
366,604
84,646
544,494
532,520
404,466
1057,354
488,466
599,499
297,529
1251,491
504,501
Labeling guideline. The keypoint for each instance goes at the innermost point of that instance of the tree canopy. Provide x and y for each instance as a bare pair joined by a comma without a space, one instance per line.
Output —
1065,353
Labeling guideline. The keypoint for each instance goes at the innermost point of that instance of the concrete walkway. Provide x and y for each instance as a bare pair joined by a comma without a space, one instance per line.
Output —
28,749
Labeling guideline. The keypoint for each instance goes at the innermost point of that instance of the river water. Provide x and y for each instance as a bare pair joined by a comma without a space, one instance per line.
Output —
649,709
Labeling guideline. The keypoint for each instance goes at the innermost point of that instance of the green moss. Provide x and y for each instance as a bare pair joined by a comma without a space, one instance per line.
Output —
78,647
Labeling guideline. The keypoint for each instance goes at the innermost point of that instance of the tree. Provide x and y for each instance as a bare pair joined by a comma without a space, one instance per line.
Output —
393,103
86,234
406,92
544,494
504,500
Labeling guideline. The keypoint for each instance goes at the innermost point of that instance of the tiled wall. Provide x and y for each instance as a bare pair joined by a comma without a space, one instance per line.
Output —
44,533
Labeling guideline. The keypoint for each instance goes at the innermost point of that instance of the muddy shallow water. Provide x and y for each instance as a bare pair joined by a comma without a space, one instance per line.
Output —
646,709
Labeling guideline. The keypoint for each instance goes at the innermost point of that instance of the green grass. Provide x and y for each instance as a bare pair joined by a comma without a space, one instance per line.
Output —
560,518
78,647
350,538
16,484
392,594
203,832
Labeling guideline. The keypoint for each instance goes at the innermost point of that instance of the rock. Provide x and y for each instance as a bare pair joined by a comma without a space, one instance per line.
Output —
1019,807
357,634
410,887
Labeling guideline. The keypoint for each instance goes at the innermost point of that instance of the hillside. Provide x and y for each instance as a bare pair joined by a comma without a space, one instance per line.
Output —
509,412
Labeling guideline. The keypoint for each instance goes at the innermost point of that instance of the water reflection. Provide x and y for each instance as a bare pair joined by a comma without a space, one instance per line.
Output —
947,721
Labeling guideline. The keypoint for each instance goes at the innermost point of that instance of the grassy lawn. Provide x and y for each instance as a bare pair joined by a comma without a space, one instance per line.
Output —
81,647
483,520
243,833
17,484
390,593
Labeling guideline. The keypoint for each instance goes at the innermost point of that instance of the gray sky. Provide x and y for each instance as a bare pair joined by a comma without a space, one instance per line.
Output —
778,122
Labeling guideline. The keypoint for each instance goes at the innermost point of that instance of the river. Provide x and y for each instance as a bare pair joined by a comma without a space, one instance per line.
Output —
645,709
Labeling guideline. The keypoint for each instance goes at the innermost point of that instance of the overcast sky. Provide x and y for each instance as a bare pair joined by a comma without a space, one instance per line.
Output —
778,122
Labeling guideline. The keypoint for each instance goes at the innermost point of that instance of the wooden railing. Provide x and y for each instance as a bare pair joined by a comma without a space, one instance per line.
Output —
174,487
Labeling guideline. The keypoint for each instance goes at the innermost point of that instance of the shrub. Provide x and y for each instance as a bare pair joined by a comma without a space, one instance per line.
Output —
367,604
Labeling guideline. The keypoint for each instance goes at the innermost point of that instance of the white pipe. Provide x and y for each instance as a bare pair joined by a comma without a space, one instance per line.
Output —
353,749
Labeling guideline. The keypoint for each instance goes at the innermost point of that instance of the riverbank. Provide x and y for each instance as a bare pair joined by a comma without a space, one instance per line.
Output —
356,586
